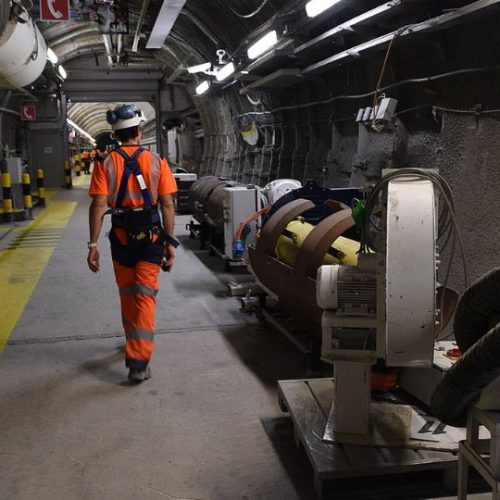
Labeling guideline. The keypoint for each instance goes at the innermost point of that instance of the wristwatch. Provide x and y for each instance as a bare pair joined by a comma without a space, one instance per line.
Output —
91,245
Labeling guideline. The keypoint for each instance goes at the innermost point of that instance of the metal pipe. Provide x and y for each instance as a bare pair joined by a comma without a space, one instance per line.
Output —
119,47
9,111
108,45
138,28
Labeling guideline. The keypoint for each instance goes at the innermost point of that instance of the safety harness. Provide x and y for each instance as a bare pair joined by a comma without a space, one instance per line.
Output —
140,223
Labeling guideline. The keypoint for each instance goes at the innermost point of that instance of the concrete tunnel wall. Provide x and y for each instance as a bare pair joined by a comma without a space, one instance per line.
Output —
324,143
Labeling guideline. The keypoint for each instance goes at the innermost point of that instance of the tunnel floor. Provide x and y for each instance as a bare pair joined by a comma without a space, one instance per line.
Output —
207,426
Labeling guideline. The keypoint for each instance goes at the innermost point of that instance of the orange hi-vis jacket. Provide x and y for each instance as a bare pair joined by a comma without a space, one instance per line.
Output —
108,174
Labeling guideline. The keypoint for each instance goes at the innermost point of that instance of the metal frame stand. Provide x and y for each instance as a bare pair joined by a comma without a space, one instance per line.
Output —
482,454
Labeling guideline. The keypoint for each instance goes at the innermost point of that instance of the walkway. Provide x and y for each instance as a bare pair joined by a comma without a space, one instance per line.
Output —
206,426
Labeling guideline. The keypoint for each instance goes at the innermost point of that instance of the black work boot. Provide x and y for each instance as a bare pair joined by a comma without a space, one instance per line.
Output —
139,375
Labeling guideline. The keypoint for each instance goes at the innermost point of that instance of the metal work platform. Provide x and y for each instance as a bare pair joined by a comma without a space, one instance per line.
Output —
353,471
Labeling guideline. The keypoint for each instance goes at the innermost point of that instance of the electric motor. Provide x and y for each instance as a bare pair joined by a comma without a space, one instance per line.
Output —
347,290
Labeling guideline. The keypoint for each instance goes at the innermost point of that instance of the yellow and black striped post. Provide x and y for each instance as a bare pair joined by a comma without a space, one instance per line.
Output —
40,176
28,201
78,165
8,208
67,175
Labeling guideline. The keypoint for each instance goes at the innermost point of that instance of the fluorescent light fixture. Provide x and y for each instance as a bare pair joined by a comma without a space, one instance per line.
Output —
199,68
71,123
62,72
439,22
263,45
164,23
349,25
225,72
371,13
202,87
51,56
316,7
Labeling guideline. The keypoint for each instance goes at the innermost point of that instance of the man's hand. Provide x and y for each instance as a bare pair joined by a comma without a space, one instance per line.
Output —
93,260
169,258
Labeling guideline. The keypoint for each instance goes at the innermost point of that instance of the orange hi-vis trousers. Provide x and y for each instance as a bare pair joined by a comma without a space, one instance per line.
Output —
138,287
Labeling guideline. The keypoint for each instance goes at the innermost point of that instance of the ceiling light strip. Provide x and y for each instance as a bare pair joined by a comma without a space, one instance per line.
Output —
436,23
202,87
263,45
348,26
199,68
316,7
80,130
225,72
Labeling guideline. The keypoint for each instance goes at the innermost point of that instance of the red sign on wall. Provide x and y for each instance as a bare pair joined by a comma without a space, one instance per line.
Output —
28,112
54,10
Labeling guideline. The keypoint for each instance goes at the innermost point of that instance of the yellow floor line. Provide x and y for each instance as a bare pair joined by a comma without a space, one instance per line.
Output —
21,268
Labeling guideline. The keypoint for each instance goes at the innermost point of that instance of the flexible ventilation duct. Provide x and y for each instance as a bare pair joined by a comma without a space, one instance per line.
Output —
477,333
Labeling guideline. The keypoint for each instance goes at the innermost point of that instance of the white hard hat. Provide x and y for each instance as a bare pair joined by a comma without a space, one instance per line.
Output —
125,116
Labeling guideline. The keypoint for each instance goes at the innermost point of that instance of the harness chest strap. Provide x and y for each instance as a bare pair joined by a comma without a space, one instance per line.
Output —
132,167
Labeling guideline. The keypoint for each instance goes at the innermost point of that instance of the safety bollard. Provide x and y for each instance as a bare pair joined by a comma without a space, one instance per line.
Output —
8,208
78,165
40,185
67,175
28,201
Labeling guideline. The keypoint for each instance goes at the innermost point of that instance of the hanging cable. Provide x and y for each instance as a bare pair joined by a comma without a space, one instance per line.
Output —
425,79
252,14
377,126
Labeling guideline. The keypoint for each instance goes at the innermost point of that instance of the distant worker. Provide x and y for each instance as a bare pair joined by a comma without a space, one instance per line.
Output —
133,181
86,160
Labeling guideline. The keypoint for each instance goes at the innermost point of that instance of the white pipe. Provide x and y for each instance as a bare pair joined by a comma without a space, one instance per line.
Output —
138,28
119,47
108,45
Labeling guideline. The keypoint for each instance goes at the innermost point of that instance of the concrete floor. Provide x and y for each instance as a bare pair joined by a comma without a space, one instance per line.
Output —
207,426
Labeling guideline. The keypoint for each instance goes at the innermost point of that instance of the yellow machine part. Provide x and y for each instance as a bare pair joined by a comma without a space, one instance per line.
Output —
346,250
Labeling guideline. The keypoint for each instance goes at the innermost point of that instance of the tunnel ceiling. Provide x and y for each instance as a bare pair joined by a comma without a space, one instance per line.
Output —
200,30
91,116
204,26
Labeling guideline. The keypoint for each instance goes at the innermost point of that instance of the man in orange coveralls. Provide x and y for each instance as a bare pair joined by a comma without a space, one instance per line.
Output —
133,182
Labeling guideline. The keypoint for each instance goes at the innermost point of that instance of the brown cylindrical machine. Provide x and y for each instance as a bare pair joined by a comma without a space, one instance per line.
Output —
215,205
296,286
206,200
199,193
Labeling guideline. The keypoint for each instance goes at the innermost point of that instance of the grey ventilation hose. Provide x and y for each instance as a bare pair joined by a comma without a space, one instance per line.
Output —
478,337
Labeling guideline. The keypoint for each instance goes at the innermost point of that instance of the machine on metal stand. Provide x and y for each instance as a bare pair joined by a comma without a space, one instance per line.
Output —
377,313
228,215
302,230
384,308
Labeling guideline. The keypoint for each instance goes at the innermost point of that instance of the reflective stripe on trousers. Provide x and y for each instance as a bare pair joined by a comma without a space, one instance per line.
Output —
138,288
